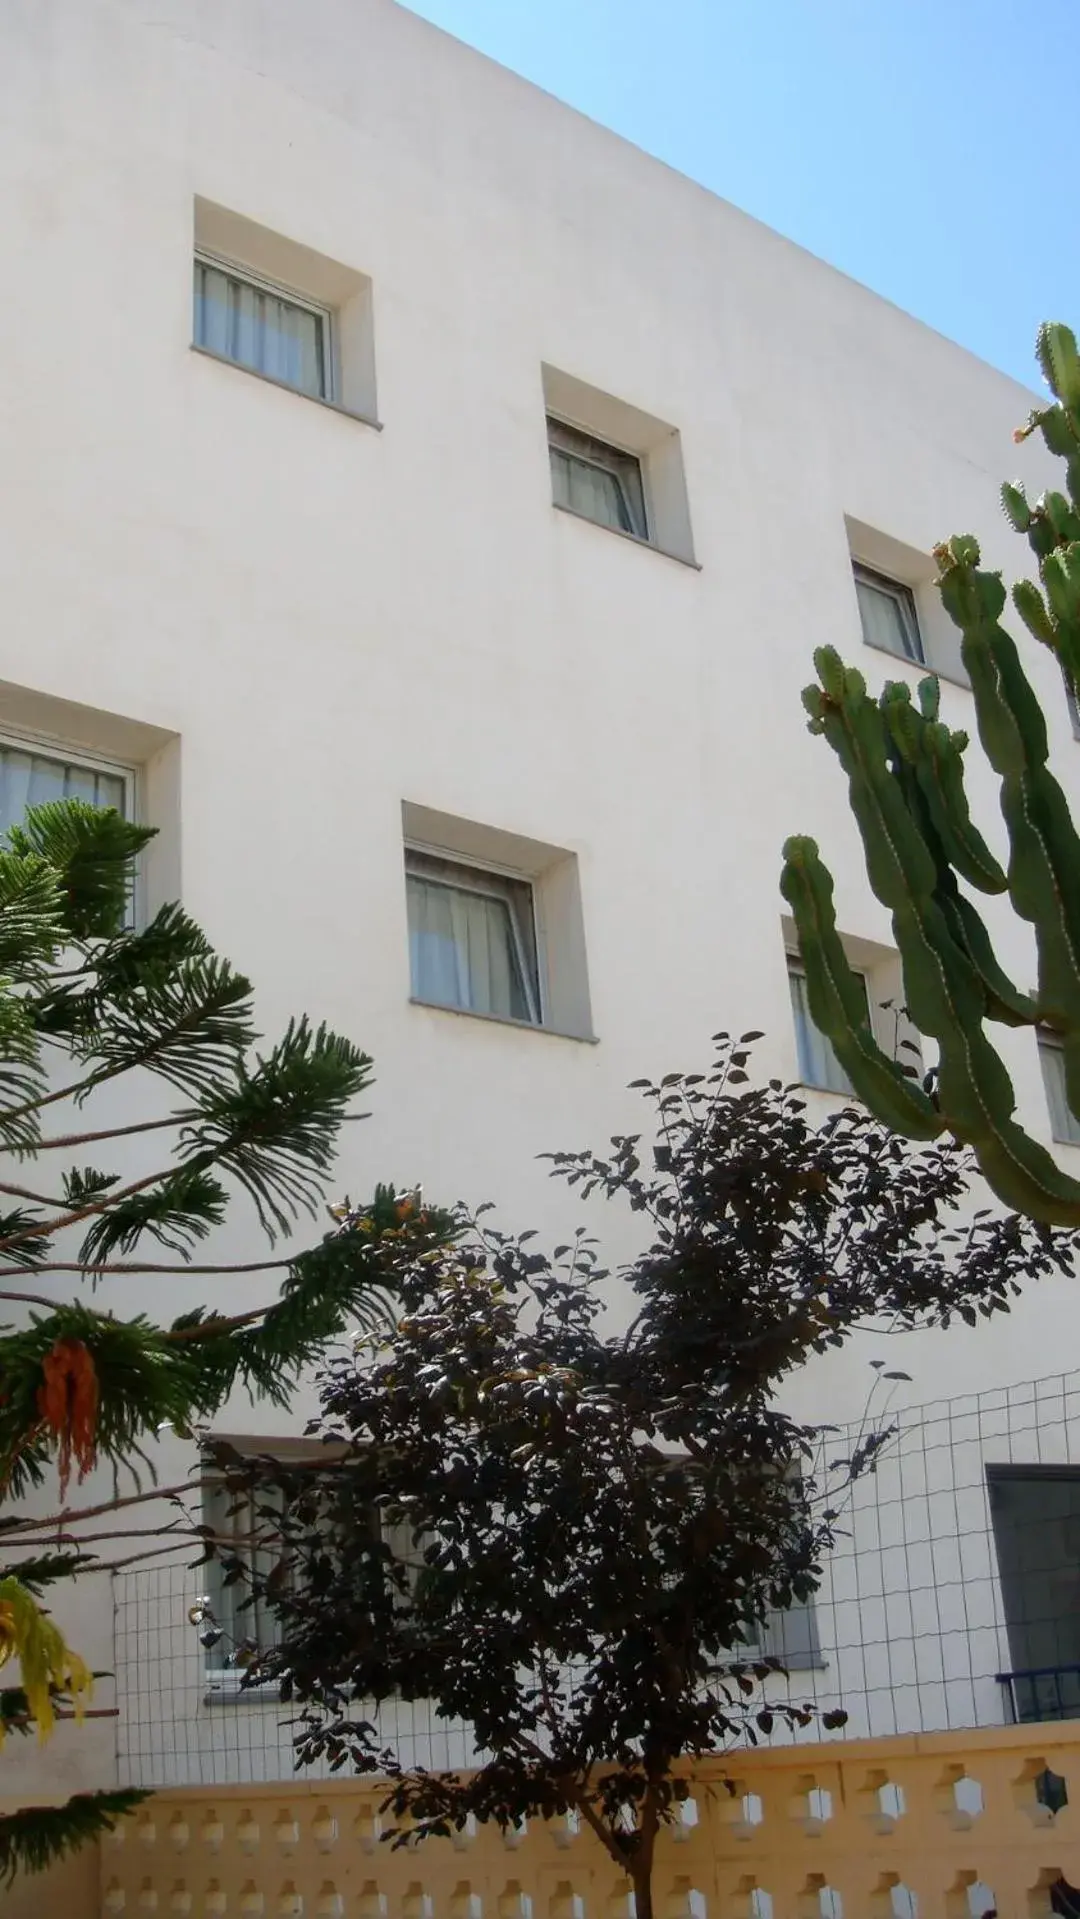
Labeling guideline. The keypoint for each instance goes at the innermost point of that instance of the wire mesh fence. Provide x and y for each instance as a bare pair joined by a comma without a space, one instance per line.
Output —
951,1601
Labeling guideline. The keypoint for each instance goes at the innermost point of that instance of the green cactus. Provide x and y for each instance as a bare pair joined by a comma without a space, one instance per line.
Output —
906,788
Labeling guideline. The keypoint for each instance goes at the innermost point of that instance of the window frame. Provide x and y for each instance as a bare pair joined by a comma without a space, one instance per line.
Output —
219,1674
1049,1044
222,1682
796,966
48,747
203,256
618,453
904,596
531,970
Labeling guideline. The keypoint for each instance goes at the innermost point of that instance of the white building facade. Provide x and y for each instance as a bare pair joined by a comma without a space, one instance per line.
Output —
423,507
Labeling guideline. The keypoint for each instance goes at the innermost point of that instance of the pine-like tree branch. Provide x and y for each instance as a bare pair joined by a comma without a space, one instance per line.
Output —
44,1228
37,1199
68,1141
72,1515
38,1836
105,1269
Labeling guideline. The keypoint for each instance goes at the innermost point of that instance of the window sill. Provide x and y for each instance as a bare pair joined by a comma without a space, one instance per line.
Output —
919,666
499,1019
314,399
799,1662
224,1689
619,533
828,1092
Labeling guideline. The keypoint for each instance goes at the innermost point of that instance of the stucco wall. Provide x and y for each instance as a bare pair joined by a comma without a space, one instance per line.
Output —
297,622
70,1890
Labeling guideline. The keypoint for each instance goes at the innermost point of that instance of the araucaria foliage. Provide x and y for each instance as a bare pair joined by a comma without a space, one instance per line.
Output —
906,784
91,1004
566,1538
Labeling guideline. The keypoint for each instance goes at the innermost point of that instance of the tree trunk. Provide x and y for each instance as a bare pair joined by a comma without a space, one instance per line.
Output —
641,1879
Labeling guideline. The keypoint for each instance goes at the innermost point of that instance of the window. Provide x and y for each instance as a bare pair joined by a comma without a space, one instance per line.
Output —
596,480
1063,1121
472,938
243,1528
818,1064
1035,1512
887,611
30,775
496,923
616,466
243,1517
259,326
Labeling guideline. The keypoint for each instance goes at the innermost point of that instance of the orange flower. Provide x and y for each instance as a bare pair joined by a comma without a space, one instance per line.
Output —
68,1404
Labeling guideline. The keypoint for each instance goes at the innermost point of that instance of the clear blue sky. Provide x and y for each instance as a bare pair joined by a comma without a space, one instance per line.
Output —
930,148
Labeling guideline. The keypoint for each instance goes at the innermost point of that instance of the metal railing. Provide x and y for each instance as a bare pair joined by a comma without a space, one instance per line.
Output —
1041,1693
910,1629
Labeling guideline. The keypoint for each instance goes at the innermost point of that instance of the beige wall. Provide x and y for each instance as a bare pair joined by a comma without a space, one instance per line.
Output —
304,622
69,1891
873,1820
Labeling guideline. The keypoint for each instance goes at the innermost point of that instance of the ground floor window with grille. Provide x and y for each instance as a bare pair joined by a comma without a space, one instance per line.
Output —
818,1064
244,1520
31,775
1035,1512
241,1623
472,938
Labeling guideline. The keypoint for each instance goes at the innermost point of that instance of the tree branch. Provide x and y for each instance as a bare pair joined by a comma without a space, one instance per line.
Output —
112,1132
72,1515
23,1192
45,1226
108,1269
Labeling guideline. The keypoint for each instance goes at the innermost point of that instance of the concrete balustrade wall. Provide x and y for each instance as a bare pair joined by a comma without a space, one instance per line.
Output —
931,1827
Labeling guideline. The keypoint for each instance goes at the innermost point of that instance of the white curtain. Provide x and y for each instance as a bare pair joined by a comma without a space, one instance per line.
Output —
1063,1121
259,329
238,1519
589,490
886,621
30,779
462,951
818,1064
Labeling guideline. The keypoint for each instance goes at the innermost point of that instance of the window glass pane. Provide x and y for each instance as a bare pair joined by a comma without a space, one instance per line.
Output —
238,1518
818,1064
598,481
30,779
589,490
466,944
260,329
1063,1121
888,617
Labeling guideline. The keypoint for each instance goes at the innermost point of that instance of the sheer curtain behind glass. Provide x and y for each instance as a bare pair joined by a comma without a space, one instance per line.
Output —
260,329
888,616
595,480
1063,1121
29,779
466,947
818,1064
239,1521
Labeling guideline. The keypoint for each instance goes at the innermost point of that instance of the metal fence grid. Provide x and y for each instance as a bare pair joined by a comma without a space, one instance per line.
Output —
910,1617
